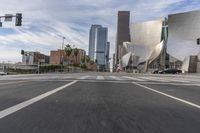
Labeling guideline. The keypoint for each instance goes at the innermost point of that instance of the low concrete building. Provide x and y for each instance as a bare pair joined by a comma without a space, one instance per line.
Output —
32,58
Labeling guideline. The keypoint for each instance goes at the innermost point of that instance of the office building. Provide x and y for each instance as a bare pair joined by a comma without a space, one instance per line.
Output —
123,33
92,36
100,46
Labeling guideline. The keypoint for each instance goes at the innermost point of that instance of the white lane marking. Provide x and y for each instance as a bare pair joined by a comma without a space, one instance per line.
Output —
100,78
84,77
24,104
115,78
132,78
167,95
13,82
156,83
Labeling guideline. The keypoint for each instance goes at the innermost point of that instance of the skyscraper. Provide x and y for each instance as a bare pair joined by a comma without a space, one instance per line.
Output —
123,33
92,40
97,45
100,46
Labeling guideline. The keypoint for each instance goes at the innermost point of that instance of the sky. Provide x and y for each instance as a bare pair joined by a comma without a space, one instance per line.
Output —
45,22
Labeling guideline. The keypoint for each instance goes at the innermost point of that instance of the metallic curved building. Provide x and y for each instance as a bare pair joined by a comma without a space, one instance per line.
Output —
165,43
184,30
148,42
145,36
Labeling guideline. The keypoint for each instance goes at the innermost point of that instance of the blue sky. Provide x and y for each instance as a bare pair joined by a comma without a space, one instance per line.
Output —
45,21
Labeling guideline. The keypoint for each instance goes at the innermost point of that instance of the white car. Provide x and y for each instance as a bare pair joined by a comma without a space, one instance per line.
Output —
3,73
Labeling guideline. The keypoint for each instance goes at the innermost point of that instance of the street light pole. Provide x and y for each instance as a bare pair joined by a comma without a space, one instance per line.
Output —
61,56
63,42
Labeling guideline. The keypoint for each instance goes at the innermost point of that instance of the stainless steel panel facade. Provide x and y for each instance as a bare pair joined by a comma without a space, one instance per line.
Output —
145,37
184,29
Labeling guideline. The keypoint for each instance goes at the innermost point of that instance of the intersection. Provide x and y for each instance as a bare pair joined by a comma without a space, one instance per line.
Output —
99,102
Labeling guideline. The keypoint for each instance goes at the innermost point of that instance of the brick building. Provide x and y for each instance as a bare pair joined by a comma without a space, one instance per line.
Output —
59,57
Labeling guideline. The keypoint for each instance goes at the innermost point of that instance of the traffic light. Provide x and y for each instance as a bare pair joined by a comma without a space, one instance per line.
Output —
198,41
22,52
18,21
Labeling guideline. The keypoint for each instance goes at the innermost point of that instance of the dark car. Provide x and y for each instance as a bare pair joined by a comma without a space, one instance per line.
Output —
170,71
155,71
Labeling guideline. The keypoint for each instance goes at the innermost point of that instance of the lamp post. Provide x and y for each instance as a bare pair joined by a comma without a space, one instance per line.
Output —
63,42
62,48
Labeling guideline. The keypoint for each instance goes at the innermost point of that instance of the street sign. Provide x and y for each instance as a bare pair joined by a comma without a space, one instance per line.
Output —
8,17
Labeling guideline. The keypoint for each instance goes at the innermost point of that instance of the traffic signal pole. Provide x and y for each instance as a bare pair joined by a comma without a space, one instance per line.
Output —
8,17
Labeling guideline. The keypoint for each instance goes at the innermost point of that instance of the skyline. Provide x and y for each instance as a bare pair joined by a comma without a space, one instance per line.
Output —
45,21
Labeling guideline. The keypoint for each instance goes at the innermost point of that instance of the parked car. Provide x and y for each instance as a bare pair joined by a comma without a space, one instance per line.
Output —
3,73
155,72
170,71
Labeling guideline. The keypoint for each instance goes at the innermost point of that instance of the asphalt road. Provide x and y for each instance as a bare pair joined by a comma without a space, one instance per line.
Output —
99,103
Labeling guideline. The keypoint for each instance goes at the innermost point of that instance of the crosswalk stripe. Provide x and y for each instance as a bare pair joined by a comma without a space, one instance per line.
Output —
132,78
115,78
180,80
84,77
68,77
155,79
100,78
165,79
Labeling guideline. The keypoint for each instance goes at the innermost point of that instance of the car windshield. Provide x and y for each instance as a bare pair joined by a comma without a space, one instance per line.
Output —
100,66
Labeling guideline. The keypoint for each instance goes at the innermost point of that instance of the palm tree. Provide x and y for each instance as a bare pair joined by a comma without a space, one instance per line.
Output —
68,51
91,62
83,59
76,52
87,59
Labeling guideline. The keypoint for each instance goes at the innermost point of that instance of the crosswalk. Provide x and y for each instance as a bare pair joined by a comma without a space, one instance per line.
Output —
132,78
138,78
100,78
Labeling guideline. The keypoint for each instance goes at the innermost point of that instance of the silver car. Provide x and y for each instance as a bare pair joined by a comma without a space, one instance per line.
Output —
3,73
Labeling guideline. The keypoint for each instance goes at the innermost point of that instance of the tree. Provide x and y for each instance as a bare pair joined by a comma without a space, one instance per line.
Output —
83,59
87,58
91,62
76,52
68,51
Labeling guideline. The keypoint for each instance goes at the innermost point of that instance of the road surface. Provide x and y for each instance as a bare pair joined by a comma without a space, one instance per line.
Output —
100,103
